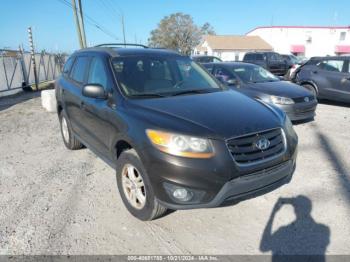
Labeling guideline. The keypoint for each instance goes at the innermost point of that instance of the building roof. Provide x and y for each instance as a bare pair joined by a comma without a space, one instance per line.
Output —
299,26
235,42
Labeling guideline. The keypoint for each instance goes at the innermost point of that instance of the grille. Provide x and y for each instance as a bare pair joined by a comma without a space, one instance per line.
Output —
306,111
245,151
301,99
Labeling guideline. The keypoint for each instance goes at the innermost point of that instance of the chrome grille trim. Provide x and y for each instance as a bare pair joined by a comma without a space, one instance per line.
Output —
260,161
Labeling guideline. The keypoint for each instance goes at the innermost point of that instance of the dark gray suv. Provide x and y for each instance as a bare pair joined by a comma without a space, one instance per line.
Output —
327,77
176,136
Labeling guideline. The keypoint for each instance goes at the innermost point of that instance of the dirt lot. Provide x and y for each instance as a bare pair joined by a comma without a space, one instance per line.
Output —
55,201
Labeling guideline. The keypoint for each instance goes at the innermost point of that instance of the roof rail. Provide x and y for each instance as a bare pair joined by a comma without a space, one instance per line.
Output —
120,44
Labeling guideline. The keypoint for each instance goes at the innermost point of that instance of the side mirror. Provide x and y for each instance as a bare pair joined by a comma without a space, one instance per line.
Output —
94,91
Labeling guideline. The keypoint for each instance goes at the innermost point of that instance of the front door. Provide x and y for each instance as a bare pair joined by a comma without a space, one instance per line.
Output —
97,114
336,79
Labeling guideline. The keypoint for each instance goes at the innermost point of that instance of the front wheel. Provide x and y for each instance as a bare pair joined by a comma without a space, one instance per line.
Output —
135,188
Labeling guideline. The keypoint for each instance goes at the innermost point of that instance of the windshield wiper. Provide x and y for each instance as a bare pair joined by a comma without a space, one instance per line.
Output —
194,91
148,95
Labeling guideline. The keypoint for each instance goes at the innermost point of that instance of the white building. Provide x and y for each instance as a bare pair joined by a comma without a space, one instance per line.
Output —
306,40
230,47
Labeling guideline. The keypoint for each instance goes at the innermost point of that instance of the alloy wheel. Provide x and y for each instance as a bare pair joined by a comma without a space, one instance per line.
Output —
133,186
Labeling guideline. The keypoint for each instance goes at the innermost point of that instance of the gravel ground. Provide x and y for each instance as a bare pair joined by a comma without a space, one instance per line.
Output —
55,201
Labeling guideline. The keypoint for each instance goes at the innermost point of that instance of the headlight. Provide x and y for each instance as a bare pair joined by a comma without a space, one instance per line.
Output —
181,145
281,100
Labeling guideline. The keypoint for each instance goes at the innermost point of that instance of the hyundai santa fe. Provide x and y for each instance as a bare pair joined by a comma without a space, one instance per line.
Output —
177,137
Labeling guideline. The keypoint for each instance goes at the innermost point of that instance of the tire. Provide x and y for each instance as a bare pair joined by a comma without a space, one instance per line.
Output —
70,141
146,207
311,88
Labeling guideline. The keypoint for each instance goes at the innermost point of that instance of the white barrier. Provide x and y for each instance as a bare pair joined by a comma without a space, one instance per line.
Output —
48,100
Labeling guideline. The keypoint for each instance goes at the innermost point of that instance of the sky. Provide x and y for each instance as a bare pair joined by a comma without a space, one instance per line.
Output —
54,28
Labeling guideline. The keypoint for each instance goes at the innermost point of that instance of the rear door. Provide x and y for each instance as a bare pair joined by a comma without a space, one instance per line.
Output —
72,93
333,79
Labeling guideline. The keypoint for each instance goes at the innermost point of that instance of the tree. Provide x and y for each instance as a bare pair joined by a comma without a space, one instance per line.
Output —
207,29
178,32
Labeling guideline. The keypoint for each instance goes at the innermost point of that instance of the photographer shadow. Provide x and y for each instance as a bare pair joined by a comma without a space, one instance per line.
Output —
304,236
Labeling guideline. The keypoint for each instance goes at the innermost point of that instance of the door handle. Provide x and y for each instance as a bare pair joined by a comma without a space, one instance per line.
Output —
315,72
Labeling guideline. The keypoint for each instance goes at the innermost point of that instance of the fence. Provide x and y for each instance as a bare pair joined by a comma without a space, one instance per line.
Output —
16,70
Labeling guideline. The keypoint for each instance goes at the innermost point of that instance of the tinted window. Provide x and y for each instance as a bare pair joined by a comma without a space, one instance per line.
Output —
79,69
275,57
97,73
259,57
139,76
249,57
223,74
68,66
331,65
254,74
207,59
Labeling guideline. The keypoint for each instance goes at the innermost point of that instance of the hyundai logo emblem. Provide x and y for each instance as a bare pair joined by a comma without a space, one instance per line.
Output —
306,99
262,143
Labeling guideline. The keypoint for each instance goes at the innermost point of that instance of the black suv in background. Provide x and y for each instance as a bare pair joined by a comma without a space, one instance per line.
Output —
271,61
177,138
327,77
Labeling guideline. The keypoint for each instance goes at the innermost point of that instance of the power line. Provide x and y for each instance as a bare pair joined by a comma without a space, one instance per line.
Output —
119,13
92,21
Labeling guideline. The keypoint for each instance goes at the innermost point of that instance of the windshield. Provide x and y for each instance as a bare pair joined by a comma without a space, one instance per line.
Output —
162,76
254,74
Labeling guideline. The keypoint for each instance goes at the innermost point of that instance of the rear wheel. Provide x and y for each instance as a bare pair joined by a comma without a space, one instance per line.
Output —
135,188
70,141
311,88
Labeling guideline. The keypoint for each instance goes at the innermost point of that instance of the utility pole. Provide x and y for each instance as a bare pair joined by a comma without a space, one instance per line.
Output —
77,24
82,26
32,53
123,27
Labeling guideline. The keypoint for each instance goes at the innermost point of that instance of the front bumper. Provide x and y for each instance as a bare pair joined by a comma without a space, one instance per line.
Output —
246,187
216,179
300,111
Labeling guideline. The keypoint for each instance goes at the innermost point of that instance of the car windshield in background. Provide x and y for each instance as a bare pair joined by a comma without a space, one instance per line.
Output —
162,76
254,74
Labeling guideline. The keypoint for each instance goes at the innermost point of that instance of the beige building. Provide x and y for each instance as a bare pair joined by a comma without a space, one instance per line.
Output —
230,47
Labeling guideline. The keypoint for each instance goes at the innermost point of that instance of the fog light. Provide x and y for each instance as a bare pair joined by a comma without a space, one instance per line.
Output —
182,194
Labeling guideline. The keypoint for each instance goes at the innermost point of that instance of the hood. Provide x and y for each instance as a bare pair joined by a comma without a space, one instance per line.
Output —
216,115
279,88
